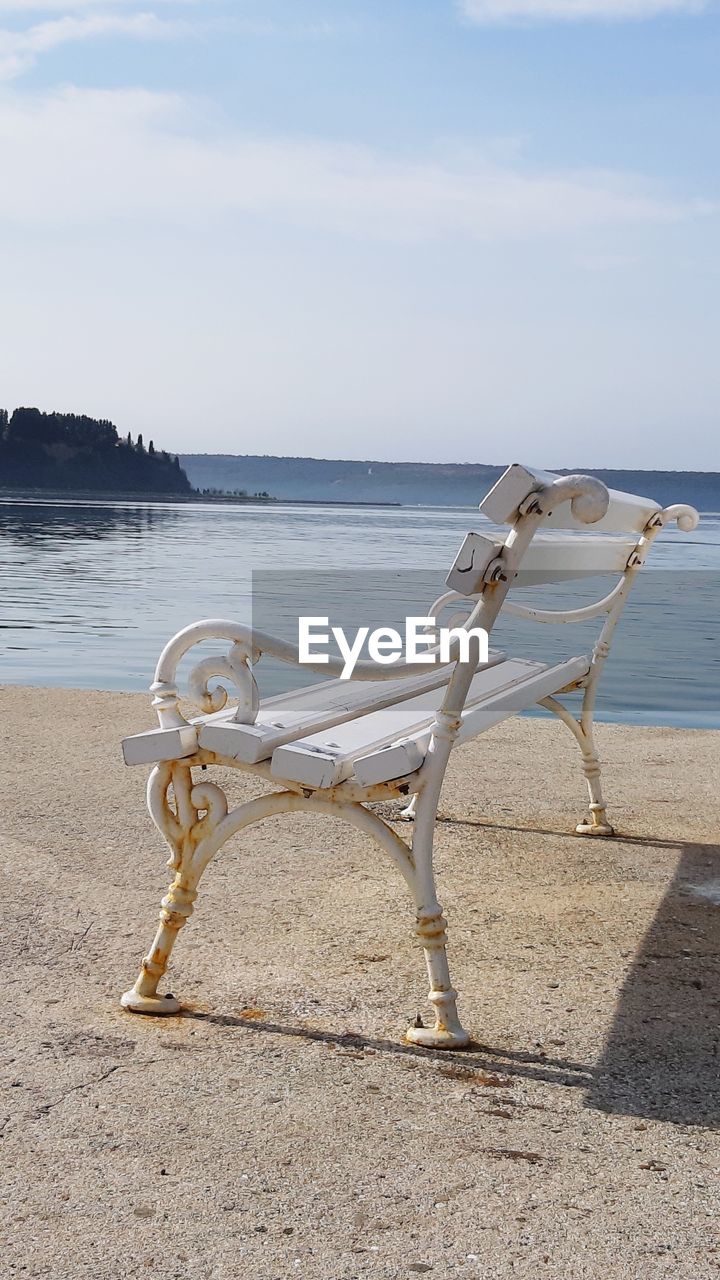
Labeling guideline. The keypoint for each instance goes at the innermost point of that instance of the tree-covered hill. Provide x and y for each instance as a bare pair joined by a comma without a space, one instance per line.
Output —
71,451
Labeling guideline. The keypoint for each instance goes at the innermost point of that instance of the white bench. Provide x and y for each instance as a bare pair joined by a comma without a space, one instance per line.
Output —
337,746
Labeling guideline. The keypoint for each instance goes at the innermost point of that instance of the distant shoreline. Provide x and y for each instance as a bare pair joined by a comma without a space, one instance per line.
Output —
217,499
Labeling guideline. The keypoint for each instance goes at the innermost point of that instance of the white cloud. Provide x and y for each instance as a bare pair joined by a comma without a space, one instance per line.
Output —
20,49
78,156
527,11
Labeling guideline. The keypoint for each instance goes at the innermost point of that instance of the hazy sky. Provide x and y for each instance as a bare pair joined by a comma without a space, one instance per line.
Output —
422,229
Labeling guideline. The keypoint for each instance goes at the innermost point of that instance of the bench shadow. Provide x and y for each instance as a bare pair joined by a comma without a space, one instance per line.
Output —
478,1059
661,1059
650,842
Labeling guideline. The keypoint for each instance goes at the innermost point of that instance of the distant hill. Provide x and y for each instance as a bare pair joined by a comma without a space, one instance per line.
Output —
416,483
68,451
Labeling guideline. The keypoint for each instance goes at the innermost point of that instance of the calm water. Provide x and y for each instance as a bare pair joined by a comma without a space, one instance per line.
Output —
90,591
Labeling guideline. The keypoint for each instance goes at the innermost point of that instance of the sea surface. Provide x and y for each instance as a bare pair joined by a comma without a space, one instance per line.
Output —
90,591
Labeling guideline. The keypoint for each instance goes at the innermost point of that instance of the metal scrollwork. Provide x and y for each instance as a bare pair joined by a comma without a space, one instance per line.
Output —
236,669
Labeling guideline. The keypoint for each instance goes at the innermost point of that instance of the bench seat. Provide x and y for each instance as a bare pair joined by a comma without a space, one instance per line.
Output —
282,718
382,745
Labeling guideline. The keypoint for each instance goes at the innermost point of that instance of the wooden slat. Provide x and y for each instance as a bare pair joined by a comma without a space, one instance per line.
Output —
401,758
328,758
160,744
555,559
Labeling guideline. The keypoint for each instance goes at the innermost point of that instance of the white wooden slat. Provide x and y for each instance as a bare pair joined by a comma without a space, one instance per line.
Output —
627,512
157,745
324,759
481,716
404,757
394,761
288,716
556,558
553,559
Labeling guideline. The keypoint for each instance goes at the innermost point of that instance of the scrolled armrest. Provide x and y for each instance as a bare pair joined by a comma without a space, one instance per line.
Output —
234,667
686,518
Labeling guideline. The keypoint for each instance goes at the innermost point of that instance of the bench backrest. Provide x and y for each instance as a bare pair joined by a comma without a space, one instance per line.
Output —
626,512
617,534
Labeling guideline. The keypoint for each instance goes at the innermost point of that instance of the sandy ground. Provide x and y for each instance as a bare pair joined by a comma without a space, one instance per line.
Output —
280,1127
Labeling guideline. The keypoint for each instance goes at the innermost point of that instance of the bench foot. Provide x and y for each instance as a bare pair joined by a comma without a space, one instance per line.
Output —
158,1005
596,823
439,1037
589,828
175,909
